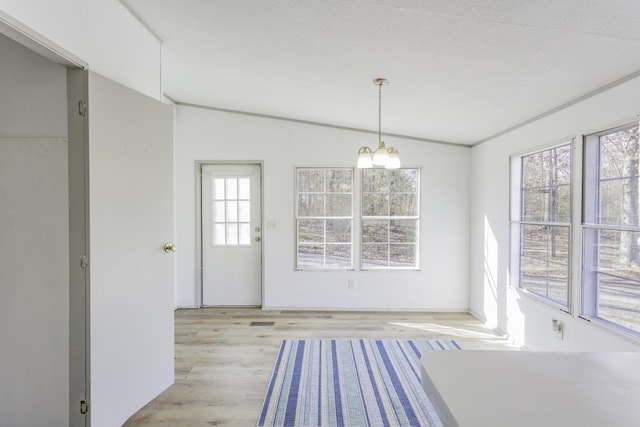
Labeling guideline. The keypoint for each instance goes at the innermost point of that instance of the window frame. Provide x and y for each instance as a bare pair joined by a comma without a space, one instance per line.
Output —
416,218
325,218
516,223
591,226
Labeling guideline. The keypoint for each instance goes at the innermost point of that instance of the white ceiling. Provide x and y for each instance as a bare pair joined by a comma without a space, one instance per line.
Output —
460,70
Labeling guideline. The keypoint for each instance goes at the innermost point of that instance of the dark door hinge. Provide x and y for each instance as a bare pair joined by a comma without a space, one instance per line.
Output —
84,407
82,108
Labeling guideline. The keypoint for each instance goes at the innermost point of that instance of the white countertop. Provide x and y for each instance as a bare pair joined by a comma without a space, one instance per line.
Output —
525,388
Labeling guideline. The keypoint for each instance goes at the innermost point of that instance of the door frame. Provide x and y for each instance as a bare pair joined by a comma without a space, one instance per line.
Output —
78,329
79,269
199,261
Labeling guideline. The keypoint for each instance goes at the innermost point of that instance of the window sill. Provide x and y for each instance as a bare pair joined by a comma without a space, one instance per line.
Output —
541,299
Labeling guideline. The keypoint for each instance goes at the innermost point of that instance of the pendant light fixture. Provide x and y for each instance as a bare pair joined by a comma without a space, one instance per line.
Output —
383,156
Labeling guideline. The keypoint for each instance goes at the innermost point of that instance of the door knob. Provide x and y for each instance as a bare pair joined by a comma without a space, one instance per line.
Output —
257,238
169,247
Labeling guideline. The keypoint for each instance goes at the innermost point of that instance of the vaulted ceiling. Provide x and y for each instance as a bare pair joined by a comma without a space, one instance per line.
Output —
461,71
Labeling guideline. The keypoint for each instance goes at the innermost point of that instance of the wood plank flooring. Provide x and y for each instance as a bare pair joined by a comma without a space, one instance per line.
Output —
223,364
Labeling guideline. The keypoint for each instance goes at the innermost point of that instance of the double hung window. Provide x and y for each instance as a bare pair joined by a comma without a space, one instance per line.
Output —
390,217
611,230
324,218
389,223
541,223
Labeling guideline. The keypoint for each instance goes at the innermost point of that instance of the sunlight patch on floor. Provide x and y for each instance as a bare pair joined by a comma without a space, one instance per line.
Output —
450,330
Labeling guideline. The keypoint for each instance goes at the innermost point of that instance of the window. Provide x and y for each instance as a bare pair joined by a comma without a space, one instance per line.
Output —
324,218
231,211
541,223
611,229
390,218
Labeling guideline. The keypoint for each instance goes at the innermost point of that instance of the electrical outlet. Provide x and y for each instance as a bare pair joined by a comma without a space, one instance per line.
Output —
557,327
350,284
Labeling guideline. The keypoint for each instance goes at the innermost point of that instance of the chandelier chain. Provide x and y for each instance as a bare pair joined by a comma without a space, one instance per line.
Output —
379,112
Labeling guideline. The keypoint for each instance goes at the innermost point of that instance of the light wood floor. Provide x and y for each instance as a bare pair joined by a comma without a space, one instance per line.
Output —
223,363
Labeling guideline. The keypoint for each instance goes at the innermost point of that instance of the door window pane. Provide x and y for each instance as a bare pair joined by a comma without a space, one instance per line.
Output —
231,211
244,211
244,188
219,211
232,189
218,188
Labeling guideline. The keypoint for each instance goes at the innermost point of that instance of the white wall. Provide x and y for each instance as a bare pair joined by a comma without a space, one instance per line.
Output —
442,283
526,319
100,32
34,252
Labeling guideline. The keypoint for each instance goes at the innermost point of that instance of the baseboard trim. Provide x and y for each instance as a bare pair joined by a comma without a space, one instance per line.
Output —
365,309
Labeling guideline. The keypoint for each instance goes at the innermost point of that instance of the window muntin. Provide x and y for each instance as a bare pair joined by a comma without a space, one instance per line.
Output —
542,223
611,233
390,218
324,218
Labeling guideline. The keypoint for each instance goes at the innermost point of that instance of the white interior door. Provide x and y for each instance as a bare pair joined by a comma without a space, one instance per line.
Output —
130,157
231,235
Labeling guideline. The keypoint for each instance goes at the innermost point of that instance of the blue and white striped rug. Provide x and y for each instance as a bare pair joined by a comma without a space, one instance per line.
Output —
350,383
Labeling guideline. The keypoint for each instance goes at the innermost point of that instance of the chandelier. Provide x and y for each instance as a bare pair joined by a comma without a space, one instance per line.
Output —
383,156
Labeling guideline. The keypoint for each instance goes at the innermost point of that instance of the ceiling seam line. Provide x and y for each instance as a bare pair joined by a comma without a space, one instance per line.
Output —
561,107
312,123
